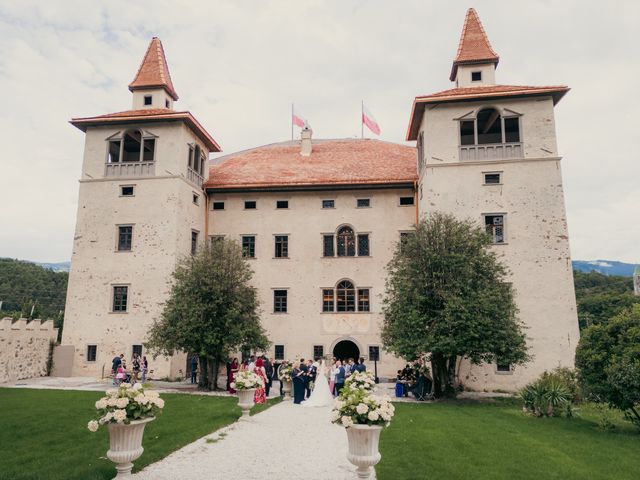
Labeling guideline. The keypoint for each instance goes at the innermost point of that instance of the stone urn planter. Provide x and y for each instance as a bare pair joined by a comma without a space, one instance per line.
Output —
286,389
125,444
246,401
363,448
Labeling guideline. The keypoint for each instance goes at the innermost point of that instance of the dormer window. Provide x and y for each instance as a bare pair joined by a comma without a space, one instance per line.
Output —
148,99
476,76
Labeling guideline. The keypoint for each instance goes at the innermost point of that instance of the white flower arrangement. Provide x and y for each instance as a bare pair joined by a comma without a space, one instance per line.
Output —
360,407
245,380
360,380
125,404
285,371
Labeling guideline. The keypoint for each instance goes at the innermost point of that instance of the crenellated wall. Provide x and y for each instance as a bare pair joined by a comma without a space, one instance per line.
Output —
24,348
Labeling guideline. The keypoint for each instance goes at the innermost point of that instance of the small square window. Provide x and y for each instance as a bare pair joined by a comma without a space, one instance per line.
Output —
503,367
136,350
492,178
476,76
250,205
406,201
374,353
282,204
147,99
92,352
280,301
278,352
363,203
218,206
318,352
328,203
196,199
126,191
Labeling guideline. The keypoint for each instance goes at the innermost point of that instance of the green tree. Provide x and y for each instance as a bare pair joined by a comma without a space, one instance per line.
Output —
447,295
608,362
212,310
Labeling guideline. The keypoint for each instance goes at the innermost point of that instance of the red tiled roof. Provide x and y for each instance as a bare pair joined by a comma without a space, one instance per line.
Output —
154,71
477,93
332,162
149,115
474,46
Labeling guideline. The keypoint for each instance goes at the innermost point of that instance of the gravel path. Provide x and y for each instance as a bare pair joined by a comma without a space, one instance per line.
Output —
286,441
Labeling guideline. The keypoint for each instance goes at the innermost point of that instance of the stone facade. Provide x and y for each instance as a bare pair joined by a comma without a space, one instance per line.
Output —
25,347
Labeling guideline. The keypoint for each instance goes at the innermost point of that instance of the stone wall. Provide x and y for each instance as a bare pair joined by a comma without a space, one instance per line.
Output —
24,348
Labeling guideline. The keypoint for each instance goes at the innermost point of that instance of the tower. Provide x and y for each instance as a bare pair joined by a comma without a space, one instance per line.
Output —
141,207
488,152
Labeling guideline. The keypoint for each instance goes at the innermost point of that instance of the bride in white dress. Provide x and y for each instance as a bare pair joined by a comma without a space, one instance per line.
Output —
320,396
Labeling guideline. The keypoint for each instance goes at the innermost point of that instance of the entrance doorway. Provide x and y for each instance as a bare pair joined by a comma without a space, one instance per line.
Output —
346,349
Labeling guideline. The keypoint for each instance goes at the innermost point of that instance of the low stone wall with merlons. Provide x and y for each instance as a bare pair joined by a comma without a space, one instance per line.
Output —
25,348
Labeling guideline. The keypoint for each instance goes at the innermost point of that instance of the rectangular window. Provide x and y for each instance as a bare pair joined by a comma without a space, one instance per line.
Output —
318,352
495,227
278,352
346,300
250,205
492,178
281,204
374,353
476,76
194,242
126,191
512,130
406,201
363,245
149,149
120,294
147,99
125,235
363,202
363,299
136,349
280,301
218,206
92,352
249,246
282,246
114,151
327,246
328,203
503,367
327,300
467,135
196,199
190,158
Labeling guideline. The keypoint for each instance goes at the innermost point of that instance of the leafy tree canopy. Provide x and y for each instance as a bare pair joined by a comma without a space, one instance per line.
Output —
608,362
212,310
447,295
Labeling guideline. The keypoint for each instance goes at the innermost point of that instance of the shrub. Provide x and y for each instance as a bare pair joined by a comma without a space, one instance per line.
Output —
547,397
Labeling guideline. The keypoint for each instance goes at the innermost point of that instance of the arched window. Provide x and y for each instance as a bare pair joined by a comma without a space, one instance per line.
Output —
346,242
345,297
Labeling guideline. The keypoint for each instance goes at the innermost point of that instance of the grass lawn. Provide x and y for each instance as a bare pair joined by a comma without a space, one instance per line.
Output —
43,433
494,441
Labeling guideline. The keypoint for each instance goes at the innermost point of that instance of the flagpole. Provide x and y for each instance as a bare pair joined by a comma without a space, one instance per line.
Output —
292,121
361,120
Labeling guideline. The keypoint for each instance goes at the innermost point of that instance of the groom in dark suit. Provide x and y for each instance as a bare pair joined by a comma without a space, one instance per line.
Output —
311,377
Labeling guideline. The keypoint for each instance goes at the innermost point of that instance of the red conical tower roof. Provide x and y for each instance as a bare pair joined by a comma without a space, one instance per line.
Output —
474,46
154,71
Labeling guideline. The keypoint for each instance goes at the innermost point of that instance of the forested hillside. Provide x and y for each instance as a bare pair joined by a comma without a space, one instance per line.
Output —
600,297
24,285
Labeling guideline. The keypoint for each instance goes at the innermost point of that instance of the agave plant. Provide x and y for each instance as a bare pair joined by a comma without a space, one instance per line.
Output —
556,396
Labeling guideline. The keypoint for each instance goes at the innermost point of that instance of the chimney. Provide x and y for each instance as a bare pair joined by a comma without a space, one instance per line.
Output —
305,143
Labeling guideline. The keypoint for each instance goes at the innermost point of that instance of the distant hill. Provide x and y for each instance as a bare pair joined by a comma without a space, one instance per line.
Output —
56,267
606,267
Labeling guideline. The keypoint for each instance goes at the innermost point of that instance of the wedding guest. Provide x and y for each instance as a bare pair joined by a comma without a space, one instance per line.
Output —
312,369
194,369
260,397
228,367
350,367
252,363
235,368
276,374
340,376
115,363
121,374
135,363
268,368
144,368
332,375
298,383
360,367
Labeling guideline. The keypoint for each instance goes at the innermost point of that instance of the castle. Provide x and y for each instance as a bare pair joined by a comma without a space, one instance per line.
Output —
319,219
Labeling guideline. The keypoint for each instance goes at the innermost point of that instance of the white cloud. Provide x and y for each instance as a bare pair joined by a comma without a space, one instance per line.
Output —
238,66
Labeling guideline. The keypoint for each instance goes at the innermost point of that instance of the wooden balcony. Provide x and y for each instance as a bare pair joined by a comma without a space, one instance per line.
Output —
130,169
491,151
194,177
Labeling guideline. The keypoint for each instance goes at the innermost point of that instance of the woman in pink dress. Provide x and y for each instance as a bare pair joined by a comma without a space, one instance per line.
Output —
259,370
234,369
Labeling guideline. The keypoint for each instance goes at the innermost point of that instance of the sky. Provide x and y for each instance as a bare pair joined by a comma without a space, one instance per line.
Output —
239,65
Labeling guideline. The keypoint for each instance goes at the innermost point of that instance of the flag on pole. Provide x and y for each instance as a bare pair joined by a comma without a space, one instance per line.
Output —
369,120
297,119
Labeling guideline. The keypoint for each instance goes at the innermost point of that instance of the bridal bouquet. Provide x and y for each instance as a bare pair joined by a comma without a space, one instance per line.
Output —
360,381
360,407
285,371
126,403
245,380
